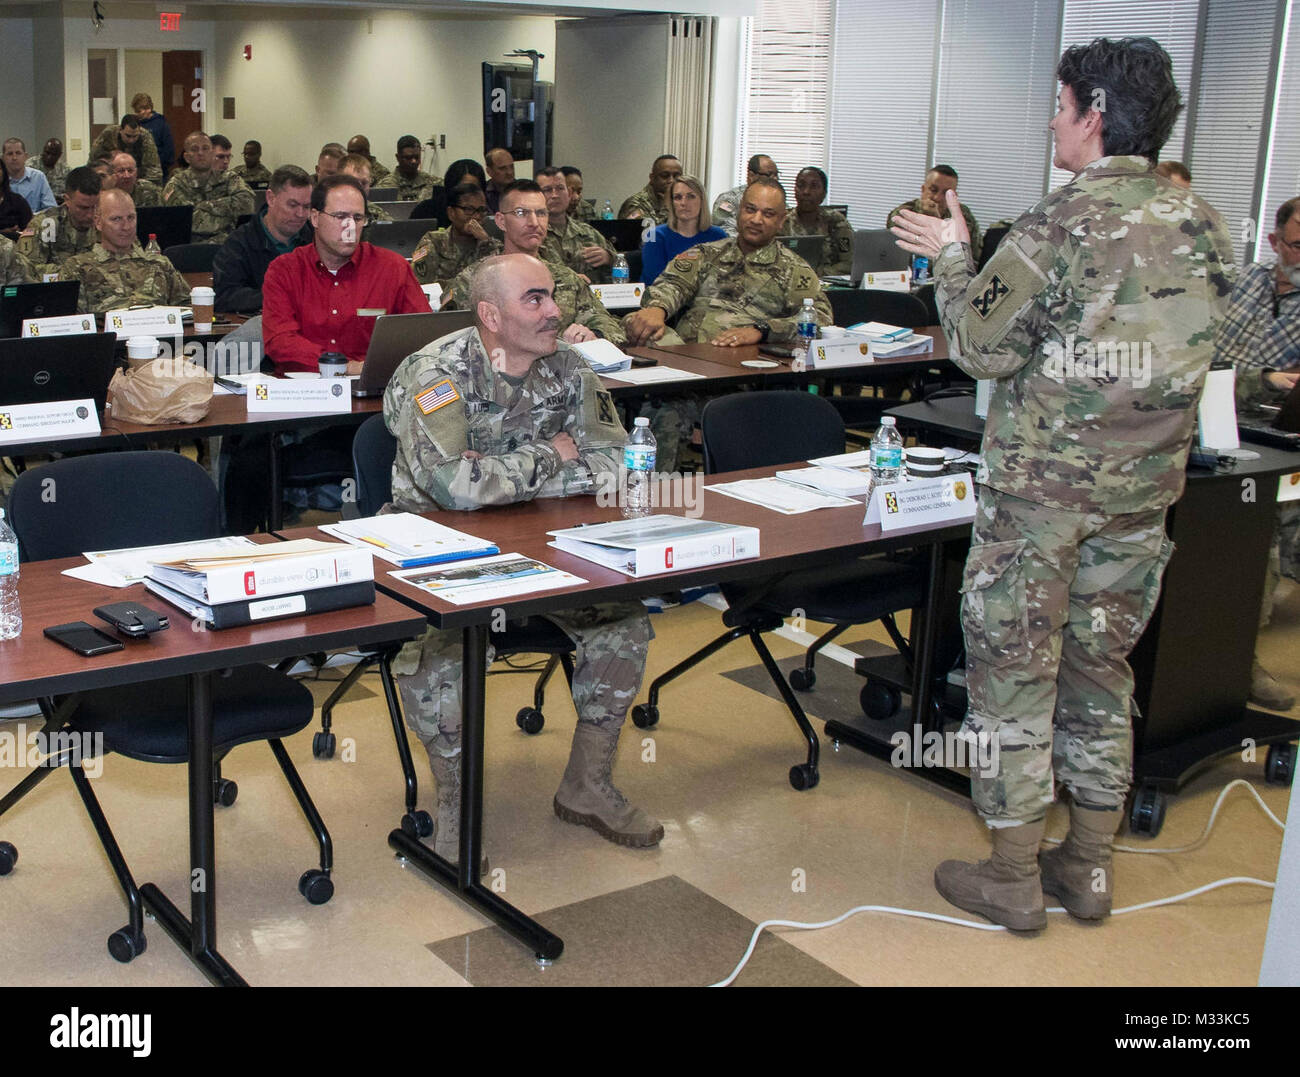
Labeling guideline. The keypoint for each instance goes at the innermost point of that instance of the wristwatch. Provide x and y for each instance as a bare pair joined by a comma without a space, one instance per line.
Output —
764,329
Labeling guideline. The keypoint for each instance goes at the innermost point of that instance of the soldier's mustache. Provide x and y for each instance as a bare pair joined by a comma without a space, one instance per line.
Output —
551,323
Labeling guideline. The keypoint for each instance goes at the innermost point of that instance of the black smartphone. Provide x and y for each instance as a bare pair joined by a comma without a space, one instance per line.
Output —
641,360
83,638
776,350
132,619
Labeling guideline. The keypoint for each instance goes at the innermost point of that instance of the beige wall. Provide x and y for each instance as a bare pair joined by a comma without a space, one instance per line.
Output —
17,100
144,75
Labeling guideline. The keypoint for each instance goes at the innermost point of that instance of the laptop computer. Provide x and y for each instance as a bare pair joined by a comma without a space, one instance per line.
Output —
624,236
19,302
875,251
385,194
398,335
401,237
809,248
38,370
171,224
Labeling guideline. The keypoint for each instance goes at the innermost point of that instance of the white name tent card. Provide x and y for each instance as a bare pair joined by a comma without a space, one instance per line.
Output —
146,321
918,502
839,351
619,296
57,419
893,280
321,394
68,325
1288,487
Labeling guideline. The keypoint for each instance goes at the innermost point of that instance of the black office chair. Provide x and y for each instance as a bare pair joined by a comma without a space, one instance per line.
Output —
114,500
993,237
795,426
193,257
635,266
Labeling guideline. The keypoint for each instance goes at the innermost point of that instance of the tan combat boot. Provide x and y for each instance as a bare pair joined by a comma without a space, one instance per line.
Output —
446,823
1078,871
1005,888
587,796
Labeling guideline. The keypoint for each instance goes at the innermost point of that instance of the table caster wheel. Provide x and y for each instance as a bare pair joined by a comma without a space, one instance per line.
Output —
316,886
645,716
879,701
802,679
1279,766
224,792
322,745
124,946
804,776
8,857
530,720
418,824
1147,814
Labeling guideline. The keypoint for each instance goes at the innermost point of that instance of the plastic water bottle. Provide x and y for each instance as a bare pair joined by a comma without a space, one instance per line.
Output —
619,270
11,613
638,469
920,269
608,215
806,324
153,247
886,453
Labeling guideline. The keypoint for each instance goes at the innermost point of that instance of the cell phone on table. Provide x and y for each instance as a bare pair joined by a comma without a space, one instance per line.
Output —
776,350
85,639
642,360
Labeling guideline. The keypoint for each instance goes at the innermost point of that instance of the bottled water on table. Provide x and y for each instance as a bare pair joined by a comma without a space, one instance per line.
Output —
806,324
886,453
619,271
638,470
11,614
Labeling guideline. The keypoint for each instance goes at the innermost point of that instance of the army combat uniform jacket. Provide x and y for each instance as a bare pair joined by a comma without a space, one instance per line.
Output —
148,162
439,257
415,189
219,200
113,281
720,287
146,194
644,204
447,400
53,240
13,266
566,247
837,249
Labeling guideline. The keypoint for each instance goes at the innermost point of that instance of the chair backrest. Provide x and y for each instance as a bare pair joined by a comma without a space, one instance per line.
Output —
770,427
112,500
193,257
992,238
635,266
373,452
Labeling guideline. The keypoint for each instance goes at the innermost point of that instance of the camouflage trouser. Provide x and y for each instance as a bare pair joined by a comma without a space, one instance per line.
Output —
1283,556
611,642
1052,604
672,421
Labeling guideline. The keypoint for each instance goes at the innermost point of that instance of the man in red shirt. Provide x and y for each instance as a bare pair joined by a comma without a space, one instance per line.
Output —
326,295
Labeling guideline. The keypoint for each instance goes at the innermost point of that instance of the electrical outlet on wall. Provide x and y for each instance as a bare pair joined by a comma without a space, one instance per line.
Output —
74,143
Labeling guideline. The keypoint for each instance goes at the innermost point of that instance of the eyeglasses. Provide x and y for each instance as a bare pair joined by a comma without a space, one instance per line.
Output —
355,218
556,190
473,211
524,214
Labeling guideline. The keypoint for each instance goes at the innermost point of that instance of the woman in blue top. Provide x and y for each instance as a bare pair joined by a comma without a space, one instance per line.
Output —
688,224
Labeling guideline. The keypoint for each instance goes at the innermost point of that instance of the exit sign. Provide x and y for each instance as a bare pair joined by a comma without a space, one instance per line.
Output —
169,20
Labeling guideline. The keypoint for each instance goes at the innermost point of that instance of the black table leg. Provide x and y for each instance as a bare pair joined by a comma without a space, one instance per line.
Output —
198,935
464,877
275,512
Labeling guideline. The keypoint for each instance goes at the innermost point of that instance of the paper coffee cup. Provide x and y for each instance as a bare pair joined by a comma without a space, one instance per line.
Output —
140,350
202,300
332,364
922,461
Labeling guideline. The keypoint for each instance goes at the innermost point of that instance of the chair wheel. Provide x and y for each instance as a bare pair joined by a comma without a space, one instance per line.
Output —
316,886
879,701
1279,767
322,745
418,824
124,946
802,679
804,776
8,857
224,792
644,716
530,720
1147,815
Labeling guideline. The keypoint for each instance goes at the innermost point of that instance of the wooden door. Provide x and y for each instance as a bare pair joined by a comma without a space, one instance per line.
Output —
182,74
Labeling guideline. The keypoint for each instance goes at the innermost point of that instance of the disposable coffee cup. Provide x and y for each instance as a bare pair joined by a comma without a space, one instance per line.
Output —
923,462
202,300
141,350
332,364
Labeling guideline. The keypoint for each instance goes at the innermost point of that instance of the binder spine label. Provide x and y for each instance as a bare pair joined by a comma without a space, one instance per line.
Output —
277,607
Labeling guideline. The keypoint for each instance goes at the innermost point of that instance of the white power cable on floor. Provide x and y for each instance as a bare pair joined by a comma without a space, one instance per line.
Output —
1235,880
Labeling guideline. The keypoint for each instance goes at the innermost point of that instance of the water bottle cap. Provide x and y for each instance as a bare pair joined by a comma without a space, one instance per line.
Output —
153,235
887,420
641,421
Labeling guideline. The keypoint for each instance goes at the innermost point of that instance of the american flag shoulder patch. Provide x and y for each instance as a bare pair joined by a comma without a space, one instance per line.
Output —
436,396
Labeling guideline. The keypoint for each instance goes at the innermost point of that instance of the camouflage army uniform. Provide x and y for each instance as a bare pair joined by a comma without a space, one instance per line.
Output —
113,281
1080,464
260,174
510,423
564,245
378,213
644,204
725,208
440,256
47,255
56,177
378,171
837,250
150,164
572,295
146,194
967,215
219,200
416,189
13,266
583,211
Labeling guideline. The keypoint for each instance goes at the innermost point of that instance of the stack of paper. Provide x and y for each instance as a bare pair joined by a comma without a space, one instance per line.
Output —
488,579
844,482
603,355
408,541
889,340
656,544
121,568
648,374
780,496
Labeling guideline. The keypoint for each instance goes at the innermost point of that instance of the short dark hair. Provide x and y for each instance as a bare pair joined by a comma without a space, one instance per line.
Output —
458,170
569,170
129,120
83,180
1131,83
753,161
765,181
254,142
1174,168
406,142
944,170
522,186
222,141
330,183
357,160
11,141
1285,212
462,191
332,150
289,176
664,157
826,184
549,170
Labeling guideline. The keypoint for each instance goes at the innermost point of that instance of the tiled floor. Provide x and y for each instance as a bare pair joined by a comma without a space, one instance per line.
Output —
741,846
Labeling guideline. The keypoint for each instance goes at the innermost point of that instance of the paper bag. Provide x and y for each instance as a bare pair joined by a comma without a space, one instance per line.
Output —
163,391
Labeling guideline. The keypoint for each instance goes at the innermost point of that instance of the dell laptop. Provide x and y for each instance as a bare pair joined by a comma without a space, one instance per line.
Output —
38,370
18,302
